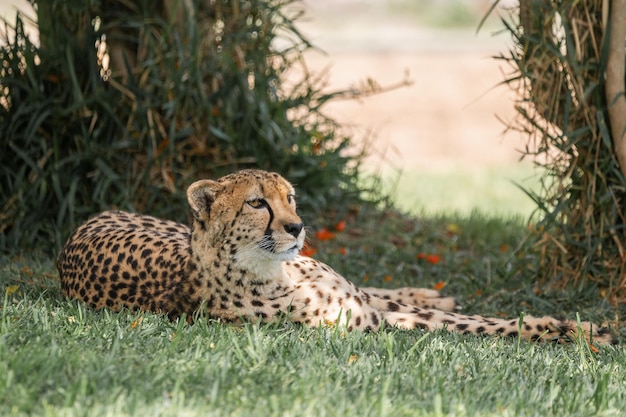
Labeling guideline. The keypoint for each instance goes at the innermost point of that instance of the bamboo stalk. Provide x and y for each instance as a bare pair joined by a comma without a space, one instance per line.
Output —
615,71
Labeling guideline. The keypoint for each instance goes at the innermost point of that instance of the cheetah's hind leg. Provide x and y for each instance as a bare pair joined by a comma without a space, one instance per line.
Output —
420,297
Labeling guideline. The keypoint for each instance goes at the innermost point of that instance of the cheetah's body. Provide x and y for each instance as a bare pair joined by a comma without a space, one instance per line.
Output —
240,260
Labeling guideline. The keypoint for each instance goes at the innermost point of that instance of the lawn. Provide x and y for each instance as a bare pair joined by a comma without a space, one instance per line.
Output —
58,358
496,191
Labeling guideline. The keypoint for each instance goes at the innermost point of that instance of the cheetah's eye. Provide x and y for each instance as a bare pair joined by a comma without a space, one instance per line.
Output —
291,198
257,203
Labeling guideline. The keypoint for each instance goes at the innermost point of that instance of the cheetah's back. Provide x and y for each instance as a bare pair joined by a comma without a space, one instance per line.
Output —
121,259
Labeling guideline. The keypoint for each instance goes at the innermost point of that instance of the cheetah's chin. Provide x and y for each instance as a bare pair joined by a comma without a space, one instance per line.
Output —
286,255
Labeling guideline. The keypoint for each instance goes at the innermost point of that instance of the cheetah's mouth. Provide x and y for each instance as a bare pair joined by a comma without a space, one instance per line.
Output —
282,251
287,254
295,248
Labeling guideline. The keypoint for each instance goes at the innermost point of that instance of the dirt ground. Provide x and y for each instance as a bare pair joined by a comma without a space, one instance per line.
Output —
448,118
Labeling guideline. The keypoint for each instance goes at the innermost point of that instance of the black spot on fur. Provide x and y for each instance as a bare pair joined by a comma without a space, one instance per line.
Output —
426,315
391,306
375,320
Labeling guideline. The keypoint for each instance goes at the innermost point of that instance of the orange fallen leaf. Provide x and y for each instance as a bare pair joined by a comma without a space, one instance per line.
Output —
342,250
308,251
438,286
433,259
135,323
387,278
504,248
324,234
163,145
340,227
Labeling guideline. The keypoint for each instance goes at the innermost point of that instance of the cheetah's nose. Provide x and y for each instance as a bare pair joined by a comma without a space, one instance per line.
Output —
294,229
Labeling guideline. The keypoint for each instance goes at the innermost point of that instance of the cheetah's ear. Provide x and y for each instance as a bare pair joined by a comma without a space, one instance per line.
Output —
201,195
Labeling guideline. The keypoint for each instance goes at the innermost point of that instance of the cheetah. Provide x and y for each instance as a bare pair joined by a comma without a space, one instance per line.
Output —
240,261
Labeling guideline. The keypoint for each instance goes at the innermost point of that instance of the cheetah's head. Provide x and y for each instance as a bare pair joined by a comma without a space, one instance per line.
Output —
250,213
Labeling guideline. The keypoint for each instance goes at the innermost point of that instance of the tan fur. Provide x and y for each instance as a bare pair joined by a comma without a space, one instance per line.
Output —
240,261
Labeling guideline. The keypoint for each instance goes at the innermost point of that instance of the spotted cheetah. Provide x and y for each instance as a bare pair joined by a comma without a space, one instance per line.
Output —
240,260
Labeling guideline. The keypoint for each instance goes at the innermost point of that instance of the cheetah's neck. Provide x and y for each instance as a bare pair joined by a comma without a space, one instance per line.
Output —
226,282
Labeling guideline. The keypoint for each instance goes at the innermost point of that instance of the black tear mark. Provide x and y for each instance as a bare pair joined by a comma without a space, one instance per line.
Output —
268,229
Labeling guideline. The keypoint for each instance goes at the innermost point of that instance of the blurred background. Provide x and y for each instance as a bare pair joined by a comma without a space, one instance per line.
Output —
440,144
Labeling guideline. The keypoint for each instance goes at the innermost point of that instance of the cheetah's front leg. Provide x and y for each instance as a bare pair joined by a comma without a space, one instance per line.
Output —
420,297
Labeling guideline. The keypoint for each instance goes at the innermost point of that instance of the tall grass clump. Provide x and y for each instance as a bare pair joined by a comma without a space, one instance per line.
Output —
559,63
123,104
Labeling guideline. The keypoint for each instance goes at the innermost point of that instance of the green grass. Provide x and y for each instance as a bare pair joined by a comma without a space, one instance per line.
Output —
494,191
59,358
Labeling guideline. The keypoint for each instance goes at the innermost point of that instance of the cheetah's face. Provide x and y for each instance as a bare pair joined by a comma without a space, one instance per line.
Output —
253,211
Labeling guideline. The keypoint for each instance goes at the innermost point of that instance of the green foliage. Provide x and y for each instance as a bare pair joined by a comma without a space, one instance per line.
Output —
559,63
191,97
